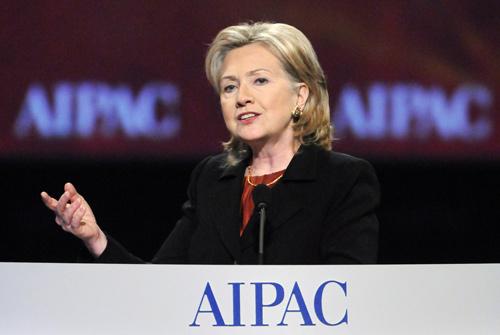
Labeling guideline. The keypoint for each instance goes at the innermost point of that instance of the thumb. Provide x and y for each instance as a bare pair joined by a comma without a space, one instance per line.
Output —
50,202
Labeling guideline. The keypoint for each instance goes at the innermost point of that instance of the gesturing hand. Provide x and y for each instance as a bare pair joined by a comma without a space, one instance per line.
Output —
75,216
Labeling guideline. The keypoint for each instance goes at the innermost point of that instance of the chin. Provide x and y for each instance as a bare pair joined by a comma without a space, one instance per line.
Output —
253,137
253,141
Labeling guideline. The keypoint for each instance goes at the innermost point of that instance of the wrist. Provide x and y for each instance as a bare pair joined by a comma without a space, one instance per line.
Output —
97,245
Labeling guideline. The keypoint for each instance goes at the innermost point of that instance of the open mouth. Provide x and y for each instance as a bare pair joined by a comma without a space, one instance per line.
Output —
247,116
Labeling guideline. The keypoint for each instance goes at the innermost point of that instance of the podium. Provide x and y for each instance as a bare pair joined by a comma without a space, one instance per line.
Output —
47,298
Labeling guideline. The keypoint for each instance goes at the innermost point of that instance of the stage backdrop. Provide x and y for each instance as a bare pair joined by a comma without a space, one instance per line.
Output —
112,96
124,79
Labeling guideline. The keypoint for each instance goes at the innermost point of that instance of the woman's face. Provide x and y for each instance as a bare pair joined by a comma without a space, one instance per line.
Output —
257,97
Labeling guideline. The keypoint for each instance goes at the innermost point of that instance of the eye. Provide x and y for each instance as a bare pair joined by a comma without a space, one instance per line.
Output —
261,81
229,88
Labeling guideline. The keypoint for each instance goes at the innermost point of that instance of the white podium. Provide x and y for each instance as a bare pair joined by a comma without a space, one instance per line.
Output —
40,298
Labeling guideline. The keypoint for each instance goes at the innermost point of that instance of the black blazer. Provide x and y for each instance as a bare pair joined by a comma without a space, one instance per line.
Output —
322,212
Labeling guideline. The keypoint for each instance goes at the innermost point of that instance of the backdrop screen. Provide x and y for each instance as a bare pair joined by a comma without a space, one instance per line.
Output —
125,79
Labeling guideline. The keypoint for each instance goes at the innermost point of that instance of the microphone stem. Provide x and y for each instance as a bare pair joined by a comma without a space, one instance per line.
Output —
262,213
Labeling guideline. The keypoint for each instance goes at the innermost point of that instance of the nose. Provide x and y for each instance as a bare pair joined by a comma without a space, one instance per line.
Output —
244,97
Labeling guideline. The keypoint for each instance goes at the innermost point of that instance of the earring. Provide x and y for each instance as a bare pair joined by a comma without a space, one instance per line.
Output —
296,114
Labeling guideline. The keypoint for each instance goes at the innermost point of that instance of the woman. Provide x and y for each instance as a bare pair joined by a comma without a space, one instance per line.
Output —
275,105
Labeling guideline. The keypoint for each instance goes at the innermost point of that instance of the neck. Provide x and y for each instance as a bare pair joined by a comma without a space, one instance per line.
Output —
272,157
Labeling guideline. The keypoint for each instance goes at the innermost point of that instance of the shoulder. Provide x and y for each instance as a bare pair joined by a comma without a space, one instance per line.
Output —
214,164
345,170
215,167
341,163
205,172
217,161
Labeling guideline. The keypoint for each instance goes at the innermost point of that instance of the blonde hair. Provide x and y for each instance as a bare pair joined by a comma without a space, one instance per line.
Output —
299,61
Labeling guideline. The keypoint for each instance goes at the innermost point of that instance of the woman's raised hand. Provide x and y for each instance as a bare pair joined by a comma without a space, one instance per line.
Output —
75,216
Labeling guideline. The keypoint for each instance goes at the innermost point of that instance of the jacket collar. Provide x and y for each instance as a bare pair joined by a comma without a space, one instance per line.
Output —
303,165
288,196
288,199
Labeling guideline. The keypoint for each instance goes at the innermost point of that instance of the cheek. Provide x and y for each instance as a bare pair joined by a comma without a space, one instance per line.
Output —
282,101
227,113
283,107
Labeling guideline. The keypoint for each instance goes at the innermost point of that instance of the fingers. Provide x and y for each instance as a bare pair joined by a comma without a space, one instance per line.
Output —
61,204
50,202
76,221
72,217
70,211
59,221
68,187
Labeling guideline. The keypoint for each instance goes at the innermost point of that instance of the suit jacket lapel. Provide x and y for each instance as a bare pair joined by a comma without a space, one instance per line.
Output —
287,201
288,196
225,209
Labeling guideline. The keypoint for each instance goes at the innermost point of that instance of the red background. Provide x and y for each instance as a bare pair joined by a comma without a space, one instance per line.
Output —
444,44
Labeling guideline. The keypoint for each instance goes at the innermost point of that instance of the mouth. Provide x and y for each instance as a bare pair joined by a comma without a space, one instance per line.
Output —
247,116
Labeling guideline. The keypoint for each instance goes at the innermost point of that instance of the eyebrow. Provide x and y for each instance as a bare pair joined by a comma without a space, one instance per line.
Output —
249,73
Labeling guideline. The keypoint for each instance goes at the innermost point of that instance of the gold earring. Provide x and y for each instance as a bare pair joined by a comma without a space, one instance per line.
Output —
296,114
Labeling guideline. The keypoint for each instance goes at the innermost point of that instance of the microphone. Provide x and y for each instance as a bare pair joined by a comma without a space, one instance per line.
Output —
261,198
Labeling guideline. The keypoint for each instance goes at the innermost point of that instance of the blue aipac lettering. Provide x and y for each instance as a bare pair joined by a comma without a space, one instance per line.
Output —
269,296
318,303
88,109
409,110
214,308
259,301
297,294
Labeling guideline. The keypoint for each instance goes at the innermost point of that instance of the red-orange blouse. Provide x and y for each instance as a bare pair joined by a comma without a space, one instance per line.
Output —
247,205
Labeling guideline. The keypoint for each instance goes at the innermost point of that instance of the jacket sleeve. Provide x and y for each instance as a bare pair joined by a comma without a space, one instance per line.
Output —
351,234
174,249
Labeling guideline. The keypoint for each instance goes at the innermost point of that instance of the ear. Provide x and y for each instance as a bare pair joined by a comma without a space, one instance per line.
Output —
302,94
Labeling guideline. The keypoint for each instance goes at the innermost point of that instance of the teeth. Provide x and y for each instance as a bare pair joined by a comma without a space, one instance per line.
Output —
246,116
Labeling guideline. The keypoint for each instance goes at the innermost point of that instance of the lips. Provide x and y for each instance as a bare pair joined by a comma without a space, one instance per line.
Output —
247,116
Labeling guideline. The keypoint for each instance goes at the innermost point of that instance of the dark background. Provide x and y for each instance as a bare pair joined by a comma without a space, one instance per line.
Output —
437,212
440,207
